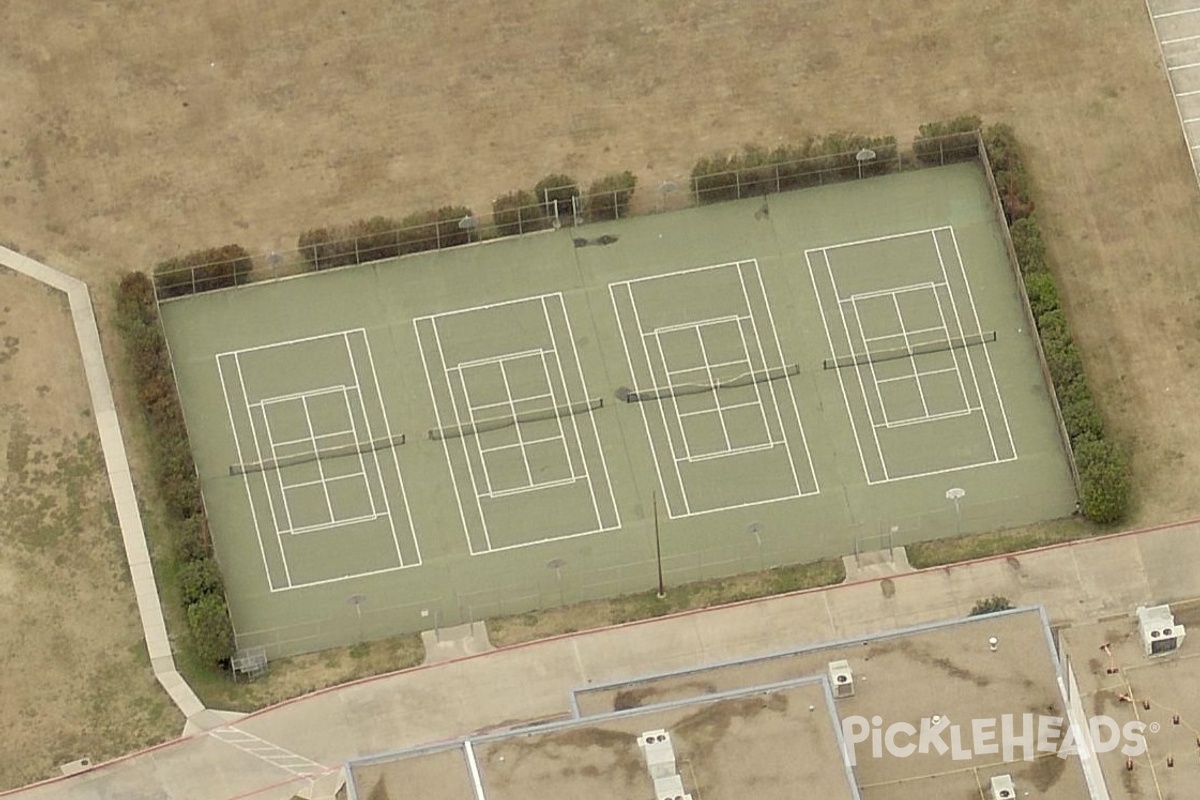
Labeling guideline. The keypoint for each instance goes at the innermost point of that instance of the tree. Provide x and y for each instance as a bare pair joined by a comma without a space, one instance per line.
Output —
990,605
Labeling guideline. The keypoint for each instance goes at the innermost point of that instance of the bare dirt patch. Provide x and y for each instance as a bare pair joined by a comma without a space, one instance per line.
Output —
75,680
132,132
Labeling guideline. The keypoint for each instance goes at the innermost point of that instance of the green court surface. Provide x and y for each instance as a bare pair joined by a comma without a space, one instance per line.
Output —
486,430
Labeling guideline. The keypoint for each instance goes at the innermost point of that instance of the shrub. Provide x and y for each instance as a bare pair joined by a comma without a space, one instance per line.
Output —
199,581
433,230
1028,244
1015,194
556,189
203,270
518,212
1104,480
1043,293
947,141
1003,151
990,605
608,198
1081,417
810,162
199,577
211,630
714,178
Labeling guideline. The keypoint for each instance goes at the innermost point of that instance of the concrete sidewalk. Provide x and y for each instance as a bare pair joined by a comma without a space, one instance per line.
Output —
298,747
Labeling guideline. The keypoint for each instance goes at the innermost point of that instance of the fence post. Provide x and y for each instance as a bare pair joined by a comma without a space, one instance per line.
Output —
778,187
437,235
357,254
737,182
192,271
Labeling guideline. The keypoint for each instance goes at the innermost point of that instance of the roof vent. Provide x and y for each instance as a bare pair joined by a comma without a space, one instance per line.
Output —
841,678
659,753
1160,634
1003,789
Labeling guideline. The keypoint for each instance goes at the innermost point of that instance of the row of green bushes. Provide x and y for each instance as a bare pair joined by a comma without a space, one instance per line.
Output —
385,237
523,211
814,161
203,270
199,580
1104,475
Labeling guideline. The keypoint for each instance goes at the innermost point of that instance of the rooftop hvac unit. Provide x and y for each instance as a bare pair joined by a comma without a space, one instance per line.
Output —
841,677
659,752
670,788
1160,634
1003,789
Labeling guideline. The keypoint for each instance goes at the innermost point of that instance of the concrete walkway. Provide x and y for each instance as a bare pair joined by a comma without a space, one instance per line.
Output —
117,465
300,746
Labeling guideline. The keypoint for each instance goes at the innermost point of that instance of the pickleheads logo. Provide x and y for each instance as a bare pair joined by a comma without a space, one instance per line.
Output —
1004,736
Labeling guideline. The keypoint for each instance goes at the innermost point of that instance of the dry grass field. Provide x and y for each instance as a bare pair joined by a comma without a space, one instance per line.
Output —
75,680
133,130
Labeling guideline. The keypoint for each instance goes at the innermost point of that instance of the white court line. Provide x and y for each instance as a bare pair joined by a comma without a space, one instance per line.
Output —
762,409
320,469
870,364
500,359
387,428
558,420
901,423
986,352
662,411
673,399
966,351
1192,65
362,464
912,361
1188,93
437,336
862,384
327,526
1181,39
612,293
533,487
584,473
734,451
283,398
512,406
483,465
237,360
437,416
1175,13
693,325
913,287
712,381
910,333
762,291
526,441
872,240
962,387
591,415
245,476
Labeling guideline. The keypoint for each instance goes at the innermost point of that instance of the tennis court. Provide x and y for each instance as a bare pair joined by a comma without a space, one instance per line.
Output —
711,381
910,354
535,421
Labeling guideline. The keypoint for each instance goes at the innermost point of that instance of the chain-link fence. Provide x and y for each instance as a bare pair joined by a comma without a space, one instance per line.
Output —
379,238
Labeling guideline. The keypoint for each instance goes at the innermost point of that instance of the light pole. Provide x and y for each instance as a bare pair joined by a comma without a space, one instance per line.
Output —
662,589
753,529
955,494
557,564
357,600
